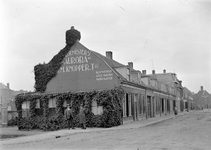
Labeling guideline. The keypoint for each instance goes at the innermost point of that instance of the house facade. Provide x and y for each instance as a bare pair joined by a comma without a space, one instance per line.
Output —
7,104
202,99
169,83
188,99
84,70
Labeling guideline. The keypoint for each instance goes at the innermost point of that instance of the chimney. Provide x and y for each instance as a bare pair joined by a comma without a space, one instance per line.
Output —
144,72
153,71
201,88
164,71
8,85
109,54
130,64
180,82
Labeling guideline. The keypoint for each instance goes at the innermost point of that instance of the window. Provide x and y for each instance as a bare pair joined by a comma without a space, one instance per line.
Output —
52,107
97,110
25,105
38,108
65,103
52,103
9,108
38,104
25,109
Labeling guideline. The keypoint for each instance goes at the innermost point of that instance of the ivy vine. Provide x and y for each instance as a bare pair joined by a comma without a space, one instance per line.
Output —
45,72
110,100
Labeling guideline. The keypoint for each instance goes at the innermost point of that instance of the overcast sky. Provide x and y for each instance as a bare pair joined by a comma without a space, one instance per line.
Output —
153,34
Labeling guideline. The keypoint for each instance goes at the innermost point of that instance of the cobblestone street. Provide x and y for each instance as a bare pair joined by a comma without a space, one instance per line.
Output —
190,131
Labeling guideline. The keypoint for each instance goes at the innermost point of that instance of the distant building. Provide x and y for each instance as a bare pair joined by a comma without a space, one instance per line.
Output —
7,104
167,82
188,99
202,99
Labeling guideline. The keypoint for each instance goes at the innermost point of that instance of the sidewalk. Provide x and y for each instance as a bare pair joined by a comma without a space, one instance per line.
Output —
64,132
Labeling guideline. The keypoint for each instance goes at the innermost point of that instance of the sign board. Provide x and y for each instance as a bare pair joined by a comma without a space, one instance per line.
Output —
82,70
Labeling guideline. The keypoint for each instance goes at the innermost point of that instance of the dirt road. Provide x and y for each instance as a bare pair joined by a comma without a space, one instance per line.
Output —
188,132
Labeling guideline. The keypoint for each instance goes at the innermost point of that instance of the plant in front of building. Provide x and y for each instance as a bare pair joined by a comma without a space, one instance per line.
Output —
13,122
110,100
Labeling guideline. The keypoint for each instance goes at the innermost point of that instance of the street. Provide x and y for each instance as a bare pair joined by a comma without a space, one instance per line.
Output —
187,132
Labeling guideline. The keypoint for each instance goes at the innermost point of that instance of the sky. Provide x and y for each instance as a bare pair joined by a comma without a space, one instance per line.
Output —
174,35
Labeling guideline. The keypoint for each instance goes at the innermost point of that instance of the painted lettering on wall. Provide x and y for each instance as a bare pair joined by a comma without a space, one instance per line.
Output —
104,75
77,60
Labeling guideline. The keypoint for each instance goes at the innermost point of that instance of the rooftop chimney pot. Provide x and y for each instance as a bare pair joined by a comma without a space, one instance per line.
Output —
180,82
201,88
130,64
153,71
164,71
109,54
8,85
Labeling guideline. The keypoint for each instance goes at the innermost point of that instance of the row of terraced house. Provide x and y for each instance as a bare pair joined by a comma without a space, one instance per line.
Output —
146,95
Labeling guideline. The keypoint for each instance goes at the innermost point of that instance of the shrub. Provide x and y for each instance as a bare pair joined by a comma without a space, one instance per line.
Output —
13,122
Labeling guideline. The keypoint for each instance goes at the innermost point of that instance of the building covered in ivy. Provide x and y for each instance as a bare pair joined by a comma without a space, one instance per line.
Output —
112,93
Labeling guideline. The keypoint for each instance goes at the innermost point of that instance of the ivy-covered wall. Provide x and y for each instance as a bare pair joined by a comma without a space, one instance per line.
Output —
110,100
45,72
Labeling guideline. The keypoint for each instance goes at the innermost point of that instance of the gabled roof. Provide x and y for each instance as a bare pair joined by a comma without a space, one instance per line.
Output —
201,96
